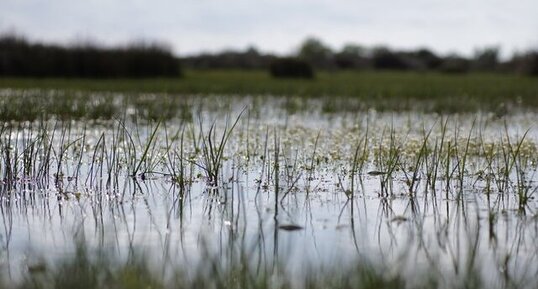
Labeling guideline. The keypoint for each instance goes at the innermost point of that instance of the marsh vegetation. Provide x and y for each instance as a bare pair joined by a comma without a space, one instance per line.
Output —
339,91
136,190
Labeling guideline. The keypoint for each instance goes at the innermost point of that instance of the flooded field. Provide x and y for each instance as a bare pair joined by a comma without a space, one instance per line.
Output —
302,191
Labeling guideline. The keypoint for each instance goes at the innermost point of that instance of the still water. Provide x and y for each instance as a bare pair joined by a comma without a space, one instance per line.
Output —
287,189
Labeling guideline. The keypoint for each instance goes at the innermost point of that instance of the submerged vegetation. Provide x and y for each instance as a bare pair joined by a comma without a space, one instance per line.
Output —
450,195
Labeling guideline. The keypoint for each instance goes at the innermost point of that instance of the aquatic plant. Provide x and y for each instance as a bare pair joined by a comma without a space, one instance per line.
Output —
213,149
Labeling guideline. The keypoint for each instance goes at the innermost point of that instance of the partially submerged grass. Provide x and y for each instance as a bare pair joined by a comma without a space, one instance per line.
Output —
42,151
447,160
212,149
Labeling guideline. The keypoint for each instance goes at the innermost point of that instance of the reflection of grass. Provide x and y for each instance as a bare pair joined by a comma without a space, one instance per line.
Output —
88,270
384,90
472,164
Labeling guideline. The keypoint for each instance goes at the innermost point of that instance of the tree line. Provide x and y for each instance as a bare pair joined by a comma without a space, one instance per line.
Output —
320,56
22,58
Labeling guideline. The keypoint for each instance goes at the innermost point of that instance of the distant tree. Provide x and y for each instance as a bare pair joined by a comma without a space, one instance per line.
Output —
428,59
455,64
251,58
529,63
486,59
316,53
254,59
351,56
291,68
526,63
19,57
384,58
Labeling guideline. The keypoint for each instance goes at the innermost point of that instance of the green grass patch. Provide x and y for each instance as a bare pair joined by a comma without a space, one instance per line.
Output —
381,90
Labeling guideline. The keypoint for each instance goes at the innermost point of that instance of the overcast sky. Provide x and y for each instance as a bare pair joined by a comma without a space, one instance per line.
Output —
192,26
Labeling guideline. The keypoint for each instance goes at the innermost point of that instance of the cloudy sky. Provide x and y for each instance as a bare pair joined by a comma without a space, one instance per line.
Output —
191,26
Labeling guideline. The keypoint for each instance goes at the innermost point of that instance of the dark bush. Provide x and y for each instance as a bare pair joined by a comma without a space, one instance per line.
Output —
291,68
21,58
248,59
384,58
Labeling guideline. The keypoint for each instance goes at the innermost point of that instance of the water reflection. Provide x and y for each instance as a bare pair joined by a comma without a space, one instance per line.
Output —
290,192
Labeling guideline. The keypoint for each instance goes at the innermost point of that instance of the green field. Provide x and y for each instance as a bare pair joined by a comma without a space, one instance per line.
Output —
382,90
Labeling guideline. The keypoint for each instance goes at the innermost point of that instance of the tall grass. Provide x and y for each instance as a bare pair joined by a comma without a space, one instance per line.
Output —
46,151
212,149
114,159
